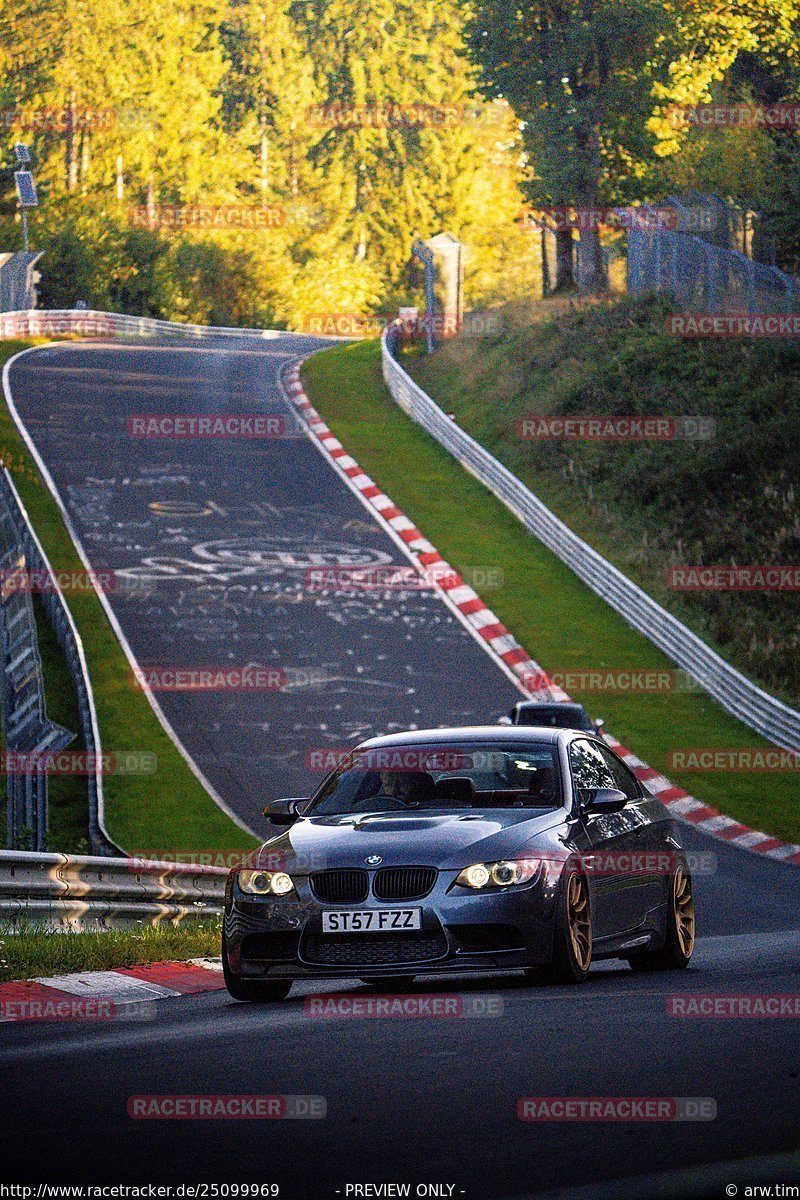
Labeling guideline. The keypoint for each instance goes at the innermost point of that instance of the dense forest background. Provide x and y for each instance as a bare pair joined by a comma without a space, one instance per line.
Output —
270,104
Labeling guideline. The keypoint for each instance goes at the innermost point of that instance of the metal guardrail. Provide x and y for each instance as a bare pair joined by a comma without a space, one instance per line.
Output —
60,618
66,891
91,324
27,732
734,691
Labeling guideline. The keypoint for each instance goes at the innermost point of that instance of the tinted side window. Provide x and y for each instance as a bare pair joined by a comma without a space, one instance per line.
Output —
624,779
589,768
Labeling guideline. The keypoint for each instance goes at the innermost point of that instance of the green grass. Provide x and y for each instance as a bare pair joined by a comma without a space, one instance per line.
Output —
36,951
68,816
562,624
167,810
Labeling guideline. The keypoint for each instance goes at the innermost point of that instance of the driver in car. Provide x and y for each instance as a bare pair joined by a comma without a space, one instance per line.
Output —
399,787
396,789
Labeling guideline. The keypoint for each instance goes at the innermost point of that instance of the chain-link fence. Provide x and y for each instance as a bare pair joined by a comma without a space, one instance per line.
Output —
703,275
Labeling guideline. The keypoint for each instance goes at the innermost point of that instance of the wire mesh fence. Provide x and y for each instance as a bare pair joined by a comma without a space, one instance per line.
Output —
702,275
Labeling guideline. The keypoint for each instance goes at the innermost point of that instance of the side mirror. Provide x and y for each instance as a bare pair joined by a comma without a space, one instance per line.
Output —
604,800
284,812
504,721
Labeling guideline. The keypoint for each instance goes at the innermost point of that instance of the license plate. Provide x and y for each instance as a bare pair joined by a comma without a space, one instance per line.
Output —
374,920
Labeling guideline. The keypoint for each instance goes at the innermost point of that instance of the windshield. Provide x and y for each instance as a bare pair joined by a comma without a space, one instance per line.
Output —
473,776
558,716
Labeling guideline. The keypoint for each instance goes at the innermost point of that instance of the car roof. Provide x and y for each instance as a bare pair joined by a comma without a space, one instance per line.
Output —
561,705
470,733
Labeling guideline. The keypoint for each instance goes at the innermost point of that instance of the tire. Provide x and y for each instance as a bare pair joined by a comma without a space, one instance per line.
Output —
390,980
572,934
679,938
255,991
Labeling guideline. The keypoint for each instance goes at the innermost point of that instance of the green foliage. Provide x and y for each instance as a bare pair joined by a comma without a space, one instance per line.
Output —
165,102
219,102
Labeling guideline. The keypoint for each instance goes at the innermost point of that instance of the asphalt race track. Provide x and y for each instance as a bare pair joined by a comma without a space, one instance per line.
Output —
211,541
411,1101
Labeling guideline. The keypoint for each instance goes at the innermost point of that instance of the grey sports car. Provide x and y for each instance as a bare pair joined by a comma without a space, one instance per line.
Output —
466,849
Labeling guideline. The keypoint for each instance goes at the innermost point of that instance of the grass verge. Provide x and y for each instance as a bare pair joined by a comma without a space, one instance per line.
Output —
563,624
35,951
168,810
728,498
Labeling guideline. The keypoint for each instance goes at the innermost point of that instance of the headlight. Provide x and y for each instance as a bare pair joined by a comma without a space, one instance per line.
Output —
265,883
499,874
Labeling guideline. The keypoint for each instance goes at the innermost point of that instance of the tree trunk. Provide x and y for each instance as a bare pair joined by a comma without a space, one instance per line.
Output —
70,154
594,277
565,275
547,283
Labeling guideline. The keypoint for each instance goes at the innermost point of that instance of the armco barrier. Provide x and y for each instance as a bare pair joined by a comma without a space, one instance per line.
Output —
77,892
90,324
734,691
69,640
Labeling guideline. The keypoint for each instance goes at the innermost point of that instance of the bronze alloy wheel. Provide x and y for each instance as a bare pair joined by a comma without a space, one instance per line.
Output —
579,921
683,902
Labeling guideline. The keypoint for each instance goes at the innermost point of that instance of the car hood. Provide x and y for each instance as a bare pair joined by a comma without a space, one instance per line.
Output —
437,838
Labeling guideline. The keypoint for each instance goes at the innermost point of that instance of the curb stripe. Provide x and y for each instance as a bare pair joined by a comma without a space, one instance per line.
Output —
122,986
518,660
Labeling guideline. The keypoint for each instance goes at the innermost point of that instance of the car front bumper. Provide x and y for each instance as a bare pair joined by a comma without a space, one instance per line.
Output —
461,930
